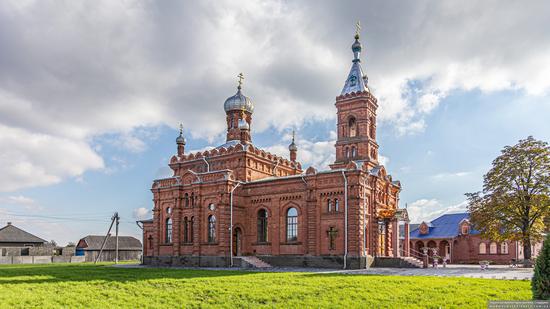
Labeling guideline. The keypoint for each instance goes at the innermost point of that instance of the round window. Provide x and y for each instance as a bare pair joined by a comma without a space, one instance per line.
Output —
211,206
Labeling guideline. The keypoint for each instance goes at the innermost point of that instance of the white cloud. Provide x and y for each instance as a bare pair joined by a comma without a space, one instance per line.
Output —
383,160
450,175
318,154
109,67
32,159
429,209
142,213
20,202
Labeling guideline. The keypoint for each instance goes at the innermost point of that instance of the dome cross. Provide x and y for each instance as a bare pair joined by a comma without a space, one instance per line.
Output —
241,78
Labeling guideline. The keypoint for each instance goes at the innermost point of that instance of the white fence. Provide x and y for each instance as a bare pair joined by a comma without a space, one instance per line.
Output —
40,259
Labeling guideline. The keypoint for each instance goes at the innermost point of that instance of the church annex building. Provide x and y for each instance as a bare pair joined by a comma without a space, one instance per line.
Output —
237,200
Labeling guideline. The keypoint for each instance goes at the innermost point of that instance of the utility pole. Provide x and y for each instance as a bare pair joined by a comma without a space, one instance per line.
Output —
113,218
117,218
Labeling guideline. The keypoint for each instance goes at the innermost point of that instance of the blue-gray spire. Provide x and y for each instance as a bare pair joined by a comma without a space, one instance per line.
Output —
356,81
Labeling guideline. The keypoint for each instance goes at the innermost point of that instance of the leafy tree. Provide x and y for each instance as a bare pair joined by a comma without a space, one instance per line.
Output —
540,283
515,199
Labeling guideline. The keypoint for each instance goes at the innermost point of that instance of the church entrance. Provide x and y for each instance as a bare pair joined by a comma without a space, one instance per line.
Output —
237,242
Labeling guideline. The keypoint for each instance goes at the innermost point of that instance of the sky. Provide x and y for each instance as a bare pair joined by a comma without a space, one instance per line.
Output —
92,94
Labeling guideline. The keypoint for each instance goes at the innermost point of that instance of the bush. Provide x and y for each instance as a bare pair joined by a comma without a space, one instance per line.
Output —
541,279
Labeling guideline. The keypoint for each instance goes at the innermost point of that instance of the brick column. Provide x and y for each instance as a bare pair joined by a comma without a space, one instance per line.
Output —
387,238
375,228
156,233
176,228
406,241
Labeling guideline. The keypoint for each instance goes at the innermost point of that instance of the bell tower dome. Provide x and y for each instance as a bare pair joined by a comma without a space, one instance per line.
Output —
356,116
238,109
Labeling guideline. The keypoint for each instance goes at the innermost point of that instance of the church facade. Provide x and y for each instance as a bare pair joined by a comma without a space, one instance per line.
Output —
238,200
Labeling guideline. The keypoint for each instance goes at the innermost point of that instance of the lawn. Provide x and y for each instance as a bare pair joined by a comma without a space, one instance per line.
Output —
103,286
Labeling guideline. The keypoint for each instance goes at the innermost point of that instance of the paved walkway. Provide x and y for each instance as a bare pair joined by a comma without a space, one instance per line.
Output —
469,271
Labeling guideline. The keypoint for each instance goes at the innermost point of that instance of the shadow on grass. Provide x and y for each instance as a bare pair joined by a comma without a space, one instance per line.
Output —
102,272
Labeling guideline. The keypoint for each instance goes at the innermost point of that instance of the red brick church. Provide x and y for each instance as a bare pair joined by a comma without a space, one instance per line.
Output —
238,200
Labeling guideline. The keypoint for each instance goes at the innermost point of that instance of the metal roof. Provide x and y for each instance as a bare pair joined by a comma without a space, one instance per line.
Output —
446,226
11,233
94,242
357,80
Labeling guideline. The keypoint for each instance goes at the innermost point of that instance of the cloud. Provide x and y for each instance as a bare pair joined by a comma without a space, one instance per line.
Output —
318,154
32,159
71,72
141,213
450,175
429,209
20,202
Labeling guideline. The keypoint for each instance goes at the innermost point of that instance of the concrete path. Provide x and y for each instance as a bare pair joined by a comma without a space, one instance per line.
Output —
468,271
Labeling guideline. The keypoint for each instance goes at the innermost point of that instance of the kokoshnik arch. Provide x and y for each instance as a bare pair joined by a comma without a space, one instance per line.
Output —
237,199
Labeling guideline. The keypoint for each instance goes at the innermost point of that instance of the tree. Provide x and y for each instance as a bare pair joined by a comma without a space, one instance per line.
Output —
515,199
540,284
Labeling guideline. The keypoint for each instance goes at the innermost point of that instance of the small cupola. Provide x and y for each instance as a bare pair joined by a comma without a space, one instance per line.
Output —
293,148
180,141
239,101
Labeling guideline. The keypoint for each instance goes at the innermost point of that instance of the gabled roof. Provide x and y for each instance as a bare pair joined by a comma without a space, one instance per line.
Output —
94,242
11,233
446,226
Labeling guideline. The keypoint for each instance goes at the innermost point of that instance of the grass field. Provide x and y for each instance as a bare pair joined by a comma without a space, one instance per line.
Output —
103,286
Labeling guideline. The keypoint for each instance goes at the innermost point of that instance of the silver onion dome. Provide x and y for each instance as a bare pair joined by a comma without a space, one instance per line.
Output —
180,139
238,102
292,146
243,125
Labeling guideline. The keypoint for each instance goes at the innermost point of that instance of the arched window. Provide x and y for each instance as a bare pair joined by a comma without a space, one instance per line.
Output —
291,224
168,238
336,205
211,228
185,230
353,152
262,225
329,205
191,228
192,199
150,241
493,248
346,152
186,200
465,229
482,248
504,248
352,124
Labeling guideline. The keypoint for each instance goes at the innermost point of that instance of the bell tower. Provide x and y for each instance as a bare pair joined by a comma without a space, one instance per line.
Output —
238,110
356,116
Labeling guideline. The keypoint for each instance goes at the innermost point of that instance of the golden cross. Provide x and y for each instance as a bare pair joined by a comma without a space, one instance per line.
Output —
241,77
357,28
